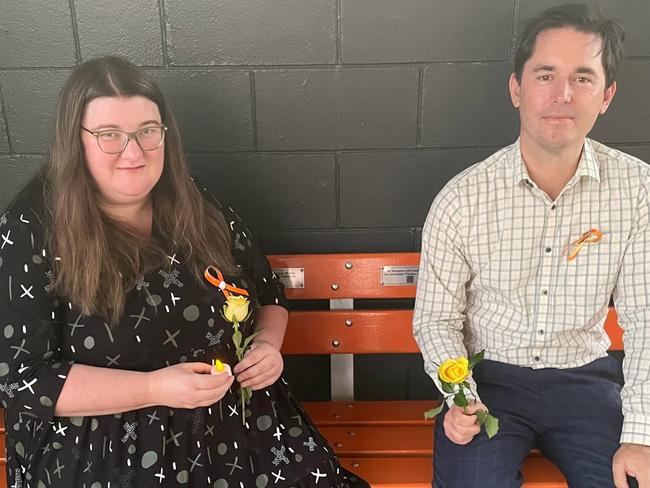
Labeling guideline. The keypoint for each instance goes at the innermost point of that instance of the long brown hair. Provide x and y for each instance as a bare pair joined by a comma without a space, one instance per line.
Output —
96,259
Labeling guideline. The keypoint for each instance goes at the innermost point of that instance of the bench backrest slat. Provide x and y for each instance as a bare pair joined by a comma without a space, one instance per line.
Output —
355,275
372,332
359,276
350,331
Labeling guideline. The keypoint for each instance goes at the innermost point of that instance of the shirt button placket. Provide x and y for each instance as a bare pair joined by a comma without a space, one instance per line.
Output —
545,282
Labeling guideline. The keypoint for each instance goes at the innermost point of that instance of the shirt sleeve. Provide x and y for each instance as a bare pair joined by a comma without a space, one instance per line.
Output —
253,261
32,372
632,302
439,312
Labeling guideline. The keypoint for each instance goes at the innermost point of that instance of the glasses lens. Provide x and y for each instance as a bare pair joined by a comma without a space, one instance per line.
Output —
111,141
150,138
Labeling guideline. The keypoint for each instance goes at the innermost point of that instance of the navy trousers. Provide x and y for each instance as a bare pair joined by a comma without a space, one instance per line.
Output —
572,415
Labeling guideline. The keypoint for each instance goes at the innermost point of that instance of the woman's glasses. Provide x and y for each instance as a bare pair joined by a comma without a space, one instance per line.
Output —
114,141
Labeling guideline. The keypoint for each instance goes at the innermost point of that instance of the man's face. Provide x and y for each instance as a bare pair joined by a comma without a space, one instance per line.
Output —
562,89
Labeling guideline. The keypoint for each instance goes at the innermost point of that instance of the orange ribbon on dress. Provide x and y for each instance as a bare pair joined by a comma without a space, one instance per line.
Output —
592,236
218,281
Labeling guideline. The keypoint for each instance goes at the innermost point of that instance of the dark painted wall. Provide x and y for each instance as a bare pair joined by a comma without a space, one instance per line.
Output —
329,124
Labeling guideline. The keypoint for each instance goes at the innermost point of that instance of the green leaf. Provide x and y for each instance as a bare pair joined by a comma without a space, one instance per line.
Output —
236,338
429,414
476,358
481,416
460,399
491,426
249,339
447,387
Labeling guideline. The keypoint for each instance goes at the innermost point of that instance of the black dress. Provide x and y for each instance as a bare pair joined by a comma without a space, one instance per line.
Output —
169,318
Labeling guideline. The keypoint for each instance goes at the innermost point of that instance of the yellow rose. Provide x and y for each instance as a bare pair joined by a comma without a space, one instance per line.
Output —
236,308
454,370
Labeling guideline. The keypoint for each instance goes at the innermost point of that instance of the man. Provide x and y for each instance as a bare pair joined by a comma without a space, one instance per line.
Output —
520,256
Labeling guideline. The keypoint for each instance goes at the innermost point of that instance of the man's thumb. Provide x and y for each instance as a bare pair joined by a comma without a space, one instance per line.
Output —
620,476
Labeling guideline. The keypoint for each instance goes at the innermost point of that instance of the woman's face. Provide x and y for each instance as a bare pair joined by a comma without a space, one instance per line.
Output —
127,177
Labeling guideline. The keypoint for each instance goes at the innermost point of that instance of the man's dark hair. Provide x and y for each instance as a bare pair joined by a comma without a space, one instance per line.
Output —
582,18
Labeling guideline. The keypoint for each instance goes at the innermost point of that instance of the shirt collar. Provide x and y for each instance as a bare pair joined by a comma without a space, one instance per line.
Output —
587,166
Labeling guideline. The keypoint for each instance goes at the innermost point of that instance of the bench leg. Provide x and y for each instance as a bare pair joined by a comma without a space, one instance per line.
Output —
342,376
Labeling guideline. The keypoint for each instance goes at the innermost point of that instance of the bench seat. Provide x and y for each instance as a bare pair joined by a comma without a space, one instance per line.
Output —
390,444
415,472
384,413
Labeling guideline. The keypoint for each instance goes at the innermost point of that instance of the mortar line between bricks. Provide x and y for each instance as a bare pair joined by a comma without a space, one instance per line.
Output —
513,28
418,141
5,123
337,188
298,67
339,55
251,74
163,32
75,32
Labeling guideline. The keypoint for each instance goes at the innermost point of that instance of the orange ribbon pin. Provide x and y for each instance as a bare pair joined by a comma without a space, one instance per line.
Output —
592,236
215,277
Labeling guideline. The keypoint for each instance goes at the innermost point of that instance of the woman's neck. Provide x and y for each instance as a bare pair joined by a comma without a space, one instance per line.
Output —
137,217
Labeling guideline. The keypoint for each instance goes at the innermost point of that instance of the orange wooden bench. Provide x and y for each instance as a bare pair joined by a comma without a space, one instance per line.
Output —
386,442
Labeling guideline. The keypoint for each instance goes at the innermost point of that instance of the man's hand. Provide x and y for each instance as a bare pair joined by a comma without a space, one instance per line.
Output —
260,367
632,460
461,426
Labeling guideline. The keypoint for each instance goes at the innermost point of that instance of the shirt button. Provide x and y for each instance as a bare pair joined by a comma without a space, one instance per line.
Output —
553,207
536,358
548,249
544,292
540,332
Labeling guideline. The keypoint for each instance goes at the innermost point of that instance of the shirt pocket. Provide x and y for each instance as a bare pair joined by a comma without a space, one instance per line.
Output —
594,270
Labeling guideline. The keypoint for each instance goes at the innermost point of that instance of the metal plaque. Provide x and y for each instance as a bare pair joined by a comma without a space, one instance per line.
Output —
399,275
291,277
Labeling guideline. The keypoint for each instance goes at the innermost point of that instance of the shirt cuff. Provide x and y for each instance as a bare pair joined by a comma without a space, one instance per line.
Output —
636,429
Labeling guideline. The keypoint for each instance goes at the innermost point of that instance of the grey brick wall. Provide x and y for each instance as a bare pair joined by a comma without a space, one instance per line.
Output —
340,118
330,124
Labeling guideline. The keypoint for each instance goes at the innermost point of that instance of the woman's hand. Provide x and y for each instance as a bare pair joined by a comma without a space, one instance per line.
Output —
260,367
187,385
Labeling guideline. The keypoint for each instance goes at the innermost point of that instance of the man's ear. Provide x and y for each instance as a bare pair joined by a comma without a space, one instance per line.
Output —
607,97
514,87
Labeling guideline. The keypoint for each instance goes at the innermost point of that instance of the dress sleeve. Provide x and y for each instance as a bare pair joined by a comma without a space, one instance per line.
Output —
32,372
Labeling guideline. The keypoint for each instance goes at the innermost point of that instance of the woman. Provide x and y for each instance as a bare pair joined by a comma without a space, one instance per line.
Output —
110,328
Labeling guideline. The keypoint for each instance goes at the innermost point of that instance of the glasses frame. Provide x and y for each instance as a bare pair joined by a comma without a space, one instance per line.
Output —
129,136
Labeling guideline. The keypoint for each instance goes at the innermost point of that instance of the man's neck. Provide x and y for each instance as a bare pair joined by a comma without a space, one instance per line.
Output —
550,170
